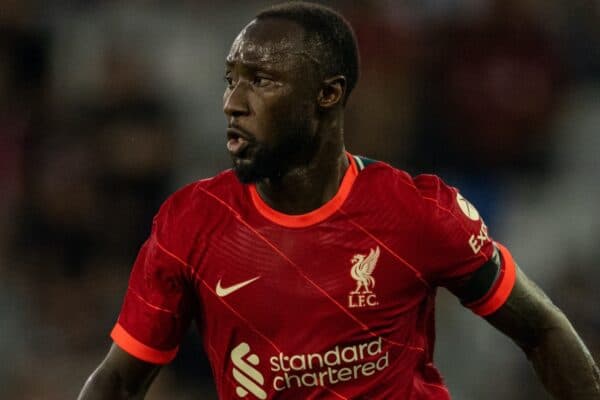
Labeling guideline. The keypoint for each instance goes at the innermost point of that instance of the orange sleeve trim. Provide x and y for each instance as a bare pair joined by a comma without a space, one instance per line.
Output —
501,290
139,350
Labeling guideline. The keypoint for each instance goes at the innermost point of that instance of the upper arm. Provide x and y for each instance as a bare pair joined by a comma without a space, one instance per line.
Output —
501,293
119,376
158,305
457,251
135,375
454,240
527,313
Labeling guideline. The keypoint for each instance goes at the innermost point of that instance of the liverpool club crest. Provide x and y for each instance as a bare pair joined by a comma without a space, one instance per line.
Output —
362,272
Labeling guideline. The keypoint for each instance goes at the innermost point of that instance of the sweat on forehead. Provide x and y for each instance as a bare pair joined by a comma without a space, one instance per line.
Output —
268,40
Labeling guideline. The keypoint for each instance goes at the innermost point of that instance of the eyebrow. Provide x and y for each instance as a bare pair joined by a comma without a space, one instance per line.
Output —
254,65
261,65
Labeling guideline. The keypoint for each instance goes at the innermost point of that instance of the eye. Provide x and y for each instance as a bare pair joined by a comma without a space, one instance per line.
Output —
261,81
229,80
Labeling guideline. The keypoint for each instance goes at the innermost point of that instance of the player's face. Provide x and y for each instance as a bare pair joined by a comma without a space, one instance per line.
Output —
270,101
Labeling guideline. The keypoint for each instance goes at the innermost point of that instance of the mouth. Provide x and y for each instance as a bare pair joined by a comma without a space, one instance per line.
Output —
237,141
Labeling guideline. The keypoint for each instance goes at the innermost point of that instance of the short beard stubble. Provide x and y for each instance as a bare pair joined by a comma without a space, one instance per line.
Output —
294,146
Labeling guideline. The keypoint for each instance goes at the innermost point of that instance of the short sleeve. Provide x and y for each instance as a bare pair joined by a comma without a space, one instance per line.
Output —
456,247
156,311
501,287
454,239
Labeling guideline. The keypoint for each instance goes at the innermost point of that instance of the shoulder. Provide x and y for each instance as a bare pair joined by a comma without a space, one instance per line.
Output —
195,208
451,238
196,196
426,197
379,173
432,188
404,187
192,191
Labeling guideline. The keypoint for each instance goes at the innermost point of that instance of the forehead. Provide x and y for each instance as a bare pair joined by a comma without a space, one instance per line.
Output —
269,41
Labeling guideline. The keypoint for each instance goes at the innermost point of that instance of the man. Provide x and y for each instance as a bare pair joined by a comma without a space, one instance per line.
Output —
311,272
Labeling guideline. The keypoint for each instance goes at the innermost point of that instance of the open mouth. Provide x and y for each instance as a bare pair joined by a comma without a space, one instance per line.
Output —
236,145
236,142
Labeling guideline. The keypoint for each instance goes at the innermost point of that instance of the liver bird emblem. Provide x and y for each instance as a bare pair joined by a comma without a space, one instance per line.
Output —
362,270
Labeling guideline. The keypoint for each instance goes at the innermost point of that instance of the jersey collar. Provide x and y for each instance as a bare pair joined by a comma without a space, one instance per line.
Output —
315,216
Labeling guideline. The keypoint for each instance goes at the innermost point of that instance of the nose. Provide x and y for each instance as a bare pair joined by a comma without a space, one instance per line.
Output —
234,101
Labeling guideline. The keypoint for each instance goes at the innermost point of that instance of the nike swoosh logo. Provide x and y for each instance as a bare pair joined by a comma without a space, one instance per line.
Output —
224,291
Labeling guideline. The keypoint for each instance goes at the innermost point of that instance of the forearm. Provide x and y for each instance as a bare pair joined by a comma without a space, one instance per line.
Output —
104,385
563,363
107,383
559,357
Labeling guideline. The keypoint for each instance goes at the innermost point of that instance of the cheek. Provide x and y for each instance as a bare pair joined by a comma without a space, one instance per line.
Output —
280,114
302,116
274,112
291,111
287,120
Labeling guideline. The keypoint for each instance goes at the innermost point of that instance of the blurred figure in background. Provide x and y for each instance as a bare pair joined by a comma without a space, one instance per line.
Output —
135,137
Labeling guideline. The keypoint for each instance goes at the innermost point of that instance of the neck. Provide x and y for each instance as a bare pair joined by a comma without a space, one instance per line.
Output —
307,187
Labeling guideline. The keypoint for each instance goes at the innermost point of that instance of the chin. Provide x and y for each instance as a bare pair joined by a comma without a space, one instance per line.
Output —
246,176
246,171
256,170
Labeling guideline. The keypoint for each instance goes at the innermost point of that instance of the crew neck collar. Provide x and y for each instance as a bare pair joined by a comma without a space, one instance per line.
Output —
313,217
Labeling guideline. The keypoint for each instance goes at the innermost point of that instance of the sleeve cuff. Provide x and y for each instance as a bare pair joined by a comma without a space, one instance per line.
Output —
139,350
500,291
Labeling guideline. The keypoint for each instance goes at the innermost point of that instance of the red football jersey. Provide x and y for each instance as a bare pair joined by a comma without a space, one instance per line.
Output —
334,304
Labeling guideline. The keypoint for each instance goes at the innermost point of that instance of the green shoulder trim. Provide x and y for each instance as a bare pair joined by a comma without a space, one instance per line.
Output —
362,162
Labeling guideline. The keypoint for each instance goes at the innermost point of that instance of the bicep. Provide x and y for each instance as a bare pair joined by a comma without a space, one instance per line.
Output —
119,376
135,373
527,313
134,376
158,305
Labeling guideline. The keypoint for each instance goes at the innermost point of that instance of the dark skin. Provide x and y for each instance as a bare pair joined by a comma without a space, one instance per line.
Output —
560,358
271,81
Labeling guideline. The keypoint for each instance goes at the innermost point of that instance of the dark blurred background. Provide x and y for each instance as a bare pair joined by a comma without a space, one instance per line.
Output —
108,106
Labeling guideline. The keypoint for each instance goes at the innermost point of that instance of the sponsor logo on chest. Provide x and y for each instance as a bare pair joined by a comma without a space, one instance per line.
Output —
248,378
304,370
361,271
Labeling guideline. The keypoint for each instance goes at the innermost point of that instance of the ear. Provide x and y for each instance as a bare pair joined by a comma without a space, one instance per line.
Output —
332,92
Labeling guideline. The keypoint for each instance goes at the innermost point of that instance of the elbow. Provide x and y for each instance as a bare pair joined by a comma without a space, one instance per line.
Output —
104,383
554,327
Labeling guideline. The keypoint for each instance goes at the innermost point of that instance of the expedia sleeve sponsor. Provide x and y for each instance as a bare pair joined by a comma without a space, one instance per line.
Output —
454,241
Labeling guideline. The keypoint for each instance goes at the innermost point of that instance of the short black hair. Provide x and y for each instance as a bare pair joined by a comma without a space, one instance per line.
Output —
329,38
